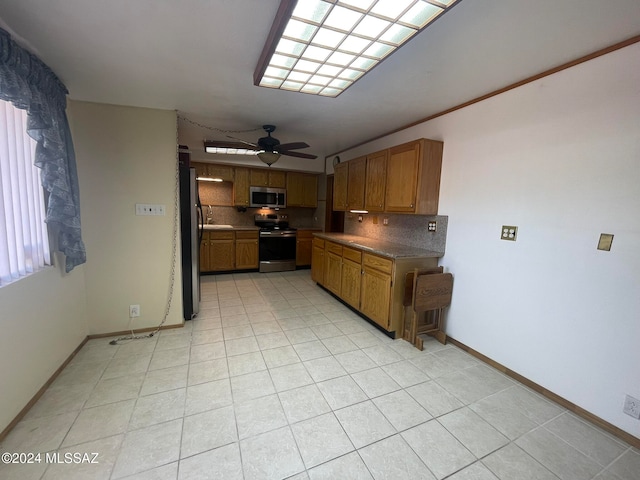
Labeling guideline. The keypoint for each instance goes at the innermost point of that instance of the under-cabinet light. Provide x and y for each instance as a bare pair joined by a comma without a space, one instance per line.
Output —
322,47
209,179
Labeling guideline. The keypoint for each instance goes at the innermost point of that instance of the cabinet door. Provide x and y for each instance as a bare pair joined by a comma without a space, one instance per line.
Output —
332,272
295,192
304,246
351,279
241,187
340,179
201,169
402,178
204,253
375,181
310,191
277,179
317,261
246,253
222,251
225,172
375,297
356,183
259,177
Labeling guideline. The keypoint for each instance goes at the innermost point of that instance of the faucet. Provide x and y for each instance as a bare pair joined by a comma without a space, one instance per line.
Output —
209,215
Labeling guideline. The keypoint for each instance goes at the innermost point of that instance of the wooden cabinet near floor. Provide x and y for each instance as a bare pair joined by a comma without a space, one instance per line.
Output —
246,250
317,261
228,250
304,246
221,251
376,289
351,272
333,267
372,284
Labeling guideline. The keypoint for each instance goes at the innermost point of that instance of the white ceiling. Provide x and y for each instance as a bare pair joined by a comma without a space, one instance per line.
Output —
198,56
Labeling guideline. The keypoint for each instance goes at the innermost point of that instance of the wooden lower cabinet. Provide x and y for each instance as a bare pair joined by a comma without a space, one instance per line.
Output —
317,261
372,284
375,301
332,270
246,250
221,251
228,250
304,247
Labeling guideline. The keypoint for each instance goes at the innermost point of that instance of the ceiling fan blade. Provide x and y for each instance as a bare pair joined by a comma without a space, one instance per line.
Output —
297,154
293,146
225,144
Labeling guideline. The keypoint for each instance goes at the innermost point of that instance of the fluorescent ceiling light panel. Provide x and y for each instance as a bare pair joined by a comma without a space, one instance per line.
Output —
314,45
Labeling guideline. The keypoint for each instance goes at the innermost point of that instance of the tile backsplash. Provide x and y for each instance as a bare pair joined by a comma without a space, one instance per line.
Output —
411,230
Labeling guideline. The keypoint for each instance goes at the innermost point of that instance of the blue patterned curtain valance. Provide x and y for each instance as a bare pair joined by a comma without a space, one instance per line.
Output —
29,84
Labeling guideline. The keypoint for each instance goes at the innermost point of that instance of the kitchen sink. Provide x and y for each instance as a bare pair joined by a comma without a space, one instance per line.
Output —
216,227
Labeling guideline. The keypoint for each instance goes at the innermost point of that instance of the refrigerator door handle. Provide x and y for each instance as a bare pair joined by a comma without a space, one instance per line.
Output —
200,223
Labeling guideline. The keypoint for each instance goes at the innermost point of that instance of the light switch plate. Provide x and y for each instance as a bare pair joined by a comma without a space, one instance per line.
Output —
509,232
606,239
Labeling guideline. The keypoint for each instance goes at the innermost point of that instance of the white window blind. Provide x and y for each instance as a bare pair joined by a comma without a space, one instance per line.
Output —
24,243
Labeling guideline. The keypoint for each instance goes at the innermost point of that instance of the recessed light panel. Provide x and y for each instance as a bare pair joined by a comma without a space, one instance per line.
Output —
314,42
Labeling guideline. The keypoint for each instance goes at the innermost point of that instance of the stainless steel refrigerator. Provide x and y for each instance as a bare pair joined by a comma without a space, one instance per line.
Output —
191,235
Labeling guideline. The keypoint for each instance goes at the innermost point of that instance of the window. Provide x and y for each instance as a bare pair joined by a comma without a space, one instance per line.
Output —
24,243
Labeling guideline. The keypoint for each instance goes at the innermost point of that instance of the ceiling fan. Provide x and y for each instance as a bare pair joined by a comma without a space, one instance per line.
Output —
267,148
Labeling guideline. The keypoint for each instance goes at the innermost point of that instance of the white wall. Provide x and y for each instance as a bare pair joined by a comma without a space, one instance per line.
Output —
126,155
43,319
559,158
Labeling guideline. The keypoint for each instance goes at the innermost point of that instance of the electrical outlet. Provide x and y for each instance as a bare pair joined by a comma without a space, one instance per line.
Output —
385,221
509,232
432,226
631,406
134,311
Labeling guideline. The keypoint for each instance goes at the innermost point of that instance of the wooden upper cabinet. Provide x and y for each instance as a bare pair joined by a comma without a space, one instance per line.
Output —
413,177
241,187
225,172
277,179
375,181
356,183
340,180
201,169
261,177
302,189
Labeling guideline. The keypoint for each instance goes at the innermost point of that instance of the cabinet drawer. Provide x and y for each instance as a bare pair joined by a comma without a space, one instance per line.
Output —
246,235
303,233
351,254
318,242
334,248
221,235
379,263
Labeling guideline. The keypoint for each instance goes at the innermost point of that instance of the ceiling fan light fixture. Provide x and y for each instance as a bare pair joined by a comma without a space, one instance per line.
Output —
268,157
337,35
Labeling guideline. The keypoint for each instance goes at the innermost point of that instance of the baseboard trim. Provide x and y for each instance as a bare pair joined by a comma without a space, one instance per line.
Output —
581,412
40,392
135,331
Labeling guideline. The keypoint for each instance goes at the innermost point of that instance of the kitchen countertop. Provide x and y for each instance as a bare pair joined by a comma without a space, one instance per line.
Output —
380,247
209,227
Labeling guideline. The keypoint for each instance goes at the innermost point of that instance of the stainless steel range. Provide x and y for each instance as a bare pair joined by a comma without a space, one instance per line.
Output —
277,244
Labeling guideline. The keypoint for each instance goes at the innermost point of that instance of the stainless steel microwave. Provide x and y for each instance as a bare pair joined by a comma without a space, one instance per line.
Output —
261,197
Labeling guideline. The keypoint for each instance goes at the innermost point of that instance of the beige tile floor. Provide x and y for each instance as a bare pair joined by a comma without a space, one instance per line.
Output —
276,379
